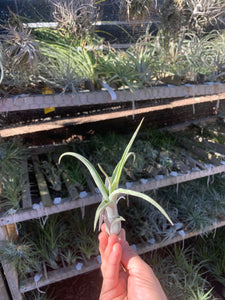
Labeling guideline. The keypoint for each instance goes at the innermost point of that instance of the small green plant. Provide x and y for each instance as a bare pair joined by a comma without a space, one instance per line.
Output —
210,250
52,173
20,255
70,256
11,155
11,190
107,211
19,46
48,239
180,275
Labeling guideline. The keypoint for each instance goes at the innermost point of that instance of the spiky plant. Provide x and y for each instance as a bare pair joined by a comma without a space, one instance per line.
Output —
142,59
52,173
180,275
49,239
20,48
134,10
11,190
202,13
210,250
12,153
118,72
58,67
21,255
107,211
74,17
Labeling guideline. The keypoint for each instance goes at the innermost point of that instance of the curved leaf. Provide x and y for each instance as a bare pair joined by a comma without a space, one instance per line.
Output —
118,192
97,179
118,170
99,210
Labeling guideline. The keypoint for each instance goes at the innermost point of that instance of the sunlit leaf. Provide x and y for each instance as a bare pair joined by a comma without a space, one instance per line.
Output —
97,179
118,170
120,191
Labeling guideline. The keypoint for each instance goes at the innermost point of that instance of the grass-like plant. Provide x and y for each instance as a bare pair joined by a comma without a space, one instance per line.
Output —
11,185
180,275
11,155
52,173
210,250
48,239
135,9
20,255
11,190
118,71
74,17
107,211
20,47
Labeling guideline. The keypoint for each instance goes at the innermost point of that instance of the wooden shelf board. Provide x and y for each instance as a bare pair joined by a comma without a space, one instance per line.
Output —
68,272
67,204
61,123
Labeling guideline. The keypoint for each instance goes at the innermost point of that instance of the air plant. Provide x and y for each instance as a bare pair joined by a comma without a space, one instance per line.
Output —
107,211
74,17
52,174
70,256
48,240
20,47
11,190
180,275
11,155
136,9
210,250
118,72
20,255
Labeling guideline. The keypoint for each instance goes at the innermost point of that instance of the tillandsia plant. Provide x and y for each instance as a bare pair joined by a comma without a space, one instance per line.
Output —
107,211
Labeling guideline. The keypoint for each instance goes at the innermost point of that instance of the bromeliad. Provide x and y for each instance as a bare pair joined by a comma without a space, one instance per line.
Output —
107,211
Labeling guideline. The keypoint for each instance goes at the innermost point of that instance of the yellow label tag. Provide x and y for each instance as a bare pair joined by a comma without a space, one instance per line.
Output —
48,110
47,91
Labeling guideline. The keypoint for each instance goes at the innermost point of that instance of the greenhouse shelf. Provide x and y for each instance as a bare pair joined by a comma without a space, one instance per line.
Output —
30,102
28,210
91,118
71,271
68,204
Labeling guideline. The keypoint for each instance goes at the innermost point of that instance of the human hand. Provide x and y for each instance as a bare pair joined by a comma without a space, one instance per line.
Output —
125,275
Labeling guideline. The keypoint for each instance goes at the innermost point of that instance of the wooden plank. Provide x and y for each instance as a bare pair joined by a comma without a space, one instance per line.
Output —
61,123
151,184
42,185
26,195
68,272
3,291
10,272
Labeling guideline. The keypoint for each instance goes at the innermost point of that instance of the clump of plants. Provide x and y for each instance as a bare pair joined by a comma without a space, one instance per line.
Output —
74,18
20,255
210,251
12,155
179,274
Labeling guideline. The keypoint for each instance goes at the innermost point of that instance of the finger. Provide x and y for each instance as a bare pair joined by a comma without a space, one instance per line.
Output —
103,242
112,239
111,273
103,227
